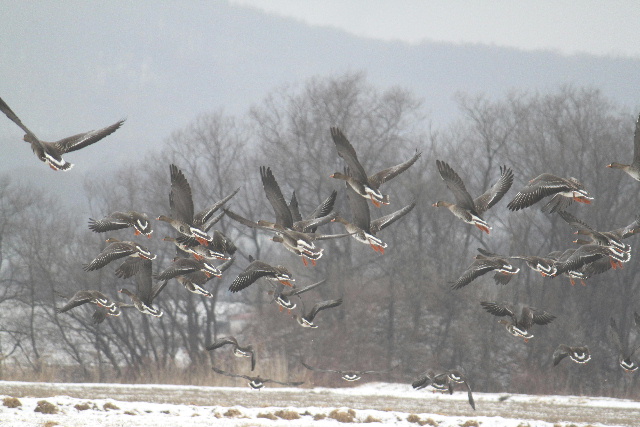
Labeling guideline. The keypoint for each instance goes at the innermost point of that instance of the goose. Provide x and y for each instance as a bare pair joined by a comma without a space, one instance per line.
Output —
604,238
237,349
347,375
362,228
257,269
220,247
467,209
579,354
365,186
119,220
146,292
51,152
306,320
518,327
101,313
587,254
444,382
256,383
564,191
625,353
183,218
484,263
118,249
181,266
86,296
282,296
633,170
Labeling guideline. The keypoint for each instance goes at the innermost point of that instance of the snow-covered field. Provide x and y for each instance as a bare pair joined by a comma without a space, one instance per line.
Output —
391,404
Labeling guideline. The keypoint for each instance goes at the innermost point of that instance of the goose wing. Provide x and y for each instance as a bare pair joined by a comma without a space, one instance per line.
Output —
387,220
115,221
456,186
302,290
348,153
294,208
311,368
275,197
538,188
494,194
475,270
222,342
14,118
360,215
389,173
231,374
323,305
201,218
253,272
499,309
113,251
81,140
78,299
180,196
323,209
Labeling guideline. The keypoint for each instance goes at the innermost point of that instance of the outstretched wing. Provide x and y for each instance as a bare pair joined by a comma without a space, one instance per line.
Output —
230,374
348,153
323,305
389,173
456,186
499,309
495,193
275,197
14,118
76,142
180,197
222,342
311,368
387,220
201,218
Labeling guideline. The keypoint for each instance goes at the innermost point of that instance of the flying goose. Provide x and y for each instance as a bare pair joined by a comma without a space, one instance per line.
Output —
564,191
366,186
51,152
306,320
118,249
119,220
256,383
467,209
282,296
146,292
444,382
625,353
579,354
347,375
237,349
87,296
484,263
257,269
518,327
633,170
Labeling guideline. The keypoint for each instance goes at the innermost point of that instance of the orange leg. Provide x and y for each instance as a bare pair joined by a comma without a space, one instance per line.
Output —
137,233
483,228
198,257
304,260
202,241
286,283
375,202
313,262
573,282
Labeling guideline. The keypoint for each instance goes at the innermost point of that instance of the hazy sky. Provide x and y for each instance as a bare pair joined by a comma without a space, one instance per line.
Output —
566,26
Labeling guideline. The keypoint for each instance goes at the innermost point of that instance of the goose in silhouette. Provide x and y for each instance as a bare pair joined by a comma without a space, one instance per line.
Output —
484,263
118,249
51,152
119,220
633,170
347,375
181,266
257,269
306,320
237,349
579,354
518,327
467,209
256,383
365,186
625,353
564,191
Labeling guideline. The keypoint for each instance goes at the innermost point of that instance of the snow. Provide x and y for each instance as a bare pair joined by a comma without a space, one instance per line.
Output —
138,413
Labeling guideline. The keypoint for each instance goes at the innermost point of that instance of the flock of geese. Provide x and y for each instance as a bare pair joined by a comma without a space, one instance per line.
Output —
203,254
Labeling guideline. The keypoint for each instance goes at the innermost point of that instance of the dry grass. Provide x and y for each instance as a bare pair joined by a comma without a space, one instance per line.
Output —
371,419
232,413
110,406
11,402
287,414
470,423
413,418
318,417
267,415
343,416
46,407
50,424
130,413
82,406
